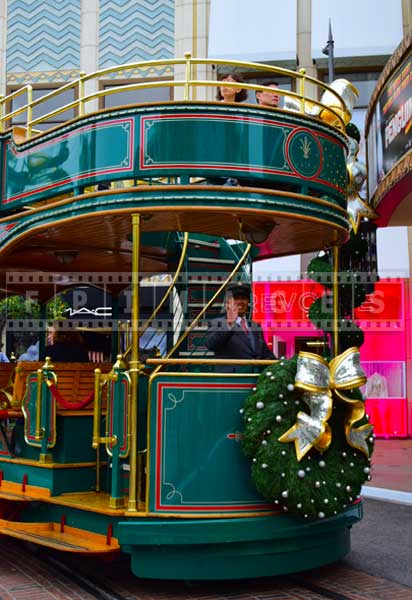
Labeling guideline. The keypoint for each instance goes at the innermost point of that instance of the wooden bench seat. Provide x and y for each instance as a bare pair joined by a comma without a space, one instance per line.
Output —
75,381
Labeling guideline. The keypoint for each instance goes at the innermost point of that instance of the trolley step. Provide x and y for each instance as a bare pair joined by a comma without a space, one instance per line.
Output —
11,490
60,537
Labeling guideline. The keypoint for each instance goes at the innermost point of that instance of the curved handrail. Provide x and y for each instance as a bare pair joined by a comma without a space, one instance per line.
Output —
187,84
206,306
172,283
168,291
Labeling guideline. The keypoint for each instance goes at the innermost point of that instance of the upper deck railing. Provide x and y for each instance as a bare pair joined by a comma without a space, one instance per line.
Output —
331,108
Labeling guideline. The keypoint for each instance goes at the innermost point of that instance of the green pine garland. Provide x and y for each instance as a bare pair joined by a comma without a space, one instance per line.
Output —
352,292
320,485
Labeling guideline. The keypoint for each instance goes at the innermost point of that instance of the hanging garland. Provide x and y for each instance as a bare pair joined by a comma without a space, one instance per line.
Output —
306,430
353,289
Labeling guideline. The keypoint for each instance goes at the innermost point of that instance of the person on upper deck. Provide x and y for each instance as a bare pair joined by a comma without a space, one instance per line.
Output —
270,99
67,346
234,336
229,93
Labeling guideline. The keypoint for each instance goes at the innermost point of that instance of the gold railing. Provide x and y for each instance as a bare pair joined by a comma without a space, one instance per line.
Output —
215,362
335,115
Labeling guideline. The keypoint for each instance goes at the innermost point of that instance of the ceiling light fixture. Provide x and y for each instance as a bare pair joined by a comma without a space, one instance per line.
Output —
257,233
65,257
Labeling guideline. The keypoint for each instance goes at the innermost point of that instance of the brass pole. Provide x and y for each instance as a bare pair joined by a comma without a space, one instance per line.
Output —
208,303
167,294
82,74
97,415
134,362
302,72
186,94
2,112
39,433
335,268
29,110
96,408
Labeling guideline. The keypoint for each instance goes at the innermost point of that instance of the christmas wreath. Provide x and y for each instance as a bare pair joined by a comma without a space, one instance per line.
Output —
321,483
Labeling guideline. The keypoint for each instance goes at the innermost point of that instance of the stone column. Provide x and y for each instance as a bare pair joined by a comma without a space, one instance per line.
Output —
304,42
406,17
304,54
89,45
3,42
192,35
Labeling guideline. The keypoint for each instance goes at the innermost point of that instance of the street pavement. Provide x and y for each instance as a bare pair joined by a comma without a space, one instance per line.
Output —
382,541
379,567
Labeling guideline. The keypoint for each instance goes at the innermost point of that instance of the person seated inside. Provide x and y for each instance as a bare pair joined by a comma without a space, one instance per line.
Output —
3,355
234,336
66,346
266,98
31,354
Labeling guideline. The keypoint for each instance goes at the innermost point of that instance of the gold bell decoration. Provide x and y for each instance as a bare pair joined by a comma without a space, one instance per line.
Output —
339,108
319,381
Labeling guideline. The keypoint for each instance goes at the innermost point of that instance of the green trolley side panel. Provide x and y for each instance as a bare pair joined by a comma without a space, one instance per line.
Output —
256,148
197,464
245,142
73,158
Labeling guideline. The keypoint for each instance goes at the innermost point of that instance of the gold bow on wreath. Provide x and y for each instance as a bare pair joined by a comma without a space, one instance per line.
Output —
318,378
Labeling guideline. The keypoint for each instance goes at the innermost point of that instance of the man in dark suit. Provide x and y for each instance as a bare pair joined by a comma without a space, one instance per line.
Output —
235,336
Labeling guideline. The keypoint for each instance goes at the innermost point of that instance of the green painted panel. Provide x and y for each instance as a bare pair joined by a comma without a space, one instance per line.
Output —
73,440
234,548
211,141
197,464
58,481
43,512
66,160
254,148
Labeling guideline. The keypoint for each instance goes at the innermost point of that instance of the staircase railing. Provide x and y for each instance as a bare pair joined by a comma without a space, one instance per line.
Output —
171,287
197,318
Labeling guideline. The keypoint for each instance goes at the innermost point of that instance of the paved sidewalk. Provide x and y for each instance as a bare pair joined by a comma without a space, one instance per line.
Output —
382,542
392,465
356,585
391,472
